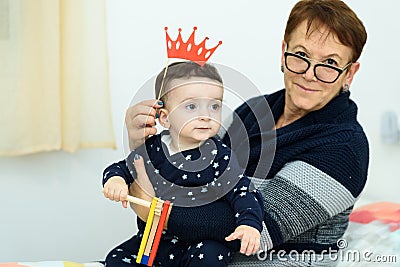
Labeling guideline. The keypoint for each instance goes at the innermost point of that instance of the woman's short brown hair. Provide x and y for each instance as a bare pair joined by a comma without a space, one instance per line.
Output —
334,14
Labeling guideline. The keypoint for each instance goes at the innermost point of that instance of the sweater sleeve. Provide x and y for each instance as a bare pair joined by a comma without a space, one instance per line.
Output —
245,200
118,169
307,192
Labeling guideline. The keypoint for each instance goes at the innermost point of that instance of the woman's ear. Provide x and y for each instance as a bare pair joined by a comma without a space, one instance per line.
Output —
351,72
284,46
163,118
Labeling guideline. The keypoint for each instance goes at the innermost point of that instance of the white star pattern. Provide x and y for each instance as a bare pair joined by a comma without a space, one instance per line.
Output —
201,256
126,260
214,152
199,245
215,165
226,157
237,215
171,256
188,157
184,177
156,171
198,175
204,158
158,148
203,190
220,257
180,166
190,193
216,173
244,188
118,249
240,176
242,194
174,240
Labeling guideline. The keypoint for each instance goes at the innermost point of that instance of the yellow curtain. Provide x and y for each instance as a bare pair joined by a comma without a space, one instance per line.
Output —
53,76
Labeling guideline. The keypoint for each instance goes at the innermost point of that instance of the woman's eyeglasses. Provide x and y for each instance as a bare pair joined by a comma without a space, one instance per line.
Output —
323,72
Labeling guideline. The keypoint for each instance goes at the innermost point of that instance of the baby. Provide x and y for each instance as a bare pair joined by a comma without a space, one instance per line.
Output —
188,165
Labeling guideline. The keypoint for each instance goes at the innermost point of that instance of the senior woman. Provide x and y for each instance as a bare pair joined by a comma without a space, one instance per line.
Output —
321,159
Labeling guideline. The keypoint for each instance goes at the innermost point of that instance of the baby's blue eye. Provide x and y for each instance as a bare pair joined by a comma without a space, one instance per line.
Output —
190,106
215,107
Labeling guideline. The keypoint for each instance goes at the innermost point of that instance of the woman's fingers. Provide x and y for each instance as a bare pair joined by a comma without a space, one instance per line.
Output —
140,120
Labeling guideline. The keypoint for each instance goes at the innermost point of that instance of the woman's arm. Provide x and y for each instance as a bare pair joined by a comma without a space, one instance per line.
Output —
141,188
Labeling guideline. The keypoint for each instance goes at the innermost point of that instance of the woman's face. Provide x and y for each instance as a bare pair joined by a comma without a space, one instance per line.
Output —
304,92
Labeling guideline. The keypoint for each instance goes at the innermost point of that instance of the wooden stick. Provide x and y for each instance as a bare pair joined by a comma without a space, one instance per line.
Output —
138,201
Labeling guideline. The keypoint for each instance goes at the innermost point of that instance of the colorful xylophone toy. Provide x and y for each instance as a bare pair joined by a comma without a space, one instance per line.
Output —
159,210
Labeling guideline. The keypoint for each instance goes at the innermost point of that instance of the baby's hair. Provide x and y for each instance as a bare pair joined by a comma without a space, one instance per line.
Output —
184,69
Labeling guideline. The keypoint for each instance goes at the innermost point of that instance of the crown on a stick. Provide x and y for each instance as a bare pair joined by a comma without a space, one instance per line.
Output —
189,50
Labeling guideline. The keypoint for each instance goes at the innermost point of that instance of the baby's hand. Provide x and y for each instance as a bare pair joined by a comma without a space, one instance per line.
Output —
116,189
250,239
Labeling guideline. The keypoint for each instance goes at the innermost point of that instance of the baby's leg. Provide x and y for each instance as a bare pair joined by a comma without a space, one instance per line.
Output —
170,251
125,254
207,253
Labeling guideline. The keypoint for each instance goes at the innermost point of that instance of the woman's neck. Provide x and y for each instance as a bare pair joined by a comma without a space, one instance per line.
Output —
288,116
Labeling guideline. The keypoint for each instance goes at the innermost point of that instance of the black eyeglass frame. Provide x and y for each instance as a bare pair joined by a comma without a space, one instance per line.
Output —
308,61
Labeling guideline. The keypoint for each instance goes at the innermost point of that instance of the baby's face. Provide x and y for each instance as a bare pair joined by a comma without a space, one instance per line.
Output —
194,109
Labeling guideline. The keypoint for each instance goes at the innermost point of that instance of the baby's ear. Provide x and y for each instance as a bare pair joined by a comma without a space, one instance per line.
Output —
163,118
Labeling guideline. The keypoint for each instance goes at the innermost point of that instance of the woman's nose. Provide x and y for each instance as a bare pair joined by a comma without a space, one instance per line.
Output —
309,75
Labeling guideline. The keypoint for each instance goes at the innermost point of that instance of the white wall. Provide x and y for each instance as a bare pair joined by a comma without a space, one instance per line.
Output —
51,203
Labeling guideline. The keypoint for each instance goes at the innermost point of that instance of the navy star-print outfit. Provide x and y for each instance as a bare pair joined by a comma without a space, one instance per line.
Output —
189,178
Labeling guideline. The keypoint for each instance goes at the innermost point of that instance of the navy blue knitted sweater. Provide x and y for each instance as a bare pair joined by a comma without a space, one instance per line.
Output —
318,168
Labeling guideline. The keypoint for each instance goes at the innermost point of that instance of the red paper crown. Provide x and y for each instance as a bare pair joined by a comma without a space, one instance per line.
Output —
189,50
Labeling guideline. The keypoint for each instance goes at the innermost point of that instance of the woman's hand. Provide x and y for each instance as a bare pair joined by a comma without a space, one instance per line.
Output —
116,189
250,239
140,120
